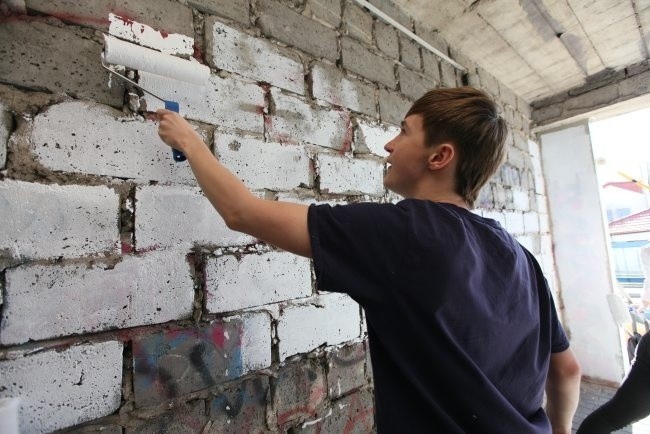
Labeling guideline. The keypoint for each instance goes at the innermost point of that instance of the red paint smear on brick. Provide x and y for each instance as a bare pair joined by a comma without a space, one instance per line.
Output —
148,249
259,110
164,34
198,53
70,18
359,416
126,248
347,138
265,86
217,336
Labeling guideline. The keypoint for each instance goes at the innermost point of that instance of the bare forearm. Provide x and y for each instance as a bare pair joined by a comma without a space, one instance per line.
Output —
562,390
561,405
224,190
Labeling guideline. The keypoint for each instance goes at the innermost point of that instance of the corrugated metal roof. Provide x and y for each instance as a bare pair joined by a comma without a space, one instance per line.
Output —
632,224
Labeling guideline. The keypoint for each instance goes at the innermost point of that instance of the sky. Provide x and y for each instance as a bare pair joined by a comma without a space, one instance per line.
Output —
622,143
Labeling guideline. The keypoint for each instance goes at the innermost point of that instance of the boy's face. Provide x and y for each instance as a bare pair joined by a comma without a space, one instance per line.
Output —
408,157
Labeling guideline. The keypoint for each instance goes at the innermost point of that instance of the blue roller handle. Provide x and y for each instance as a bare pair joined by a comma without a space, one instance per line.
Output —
173,106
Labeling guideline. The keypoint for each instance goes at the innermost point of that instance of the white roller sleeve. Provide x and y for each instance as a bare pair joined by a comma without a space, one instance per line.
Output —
118,52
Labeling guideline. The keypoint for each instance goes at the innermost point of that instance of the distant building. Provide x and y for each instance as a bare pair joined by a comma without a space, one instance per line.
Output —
629,234
621,199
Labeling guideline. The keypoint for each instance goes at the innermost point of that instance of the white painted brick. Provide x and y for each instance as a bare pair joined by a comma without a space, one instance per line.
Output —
544,226
226,102
497,216
546,244
256,280
331,85
373,137
177,216
251,57
295,121
331,319
520,199
343,175
526,241
90,138
77,299
262,165
531,222
256,341
542,204
45,221
514,222
5,130
59,389
293,198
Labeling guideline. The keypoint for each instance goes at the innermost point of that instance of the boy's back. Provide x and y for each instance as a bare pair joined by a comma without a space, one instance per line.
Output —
460,320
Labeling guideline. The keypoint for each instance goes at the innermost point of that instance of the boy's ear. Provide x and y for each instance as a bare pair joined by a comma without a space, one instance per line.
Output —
441,155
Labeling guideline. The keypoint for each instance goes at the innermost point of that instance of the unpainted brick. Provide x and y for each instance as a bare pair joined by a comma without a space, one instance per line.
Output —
433,38
326,11
360,60
39,56
357,22
431,66
47,221
185,418
393,11
352,414
331,85
410,52
448,75
78,299
240,407
237,10
251,57
635,86
276,167
547,114
412,84
387,39
167,15
63,388
392,106
292,28
300,388
591,100
346,369
6,127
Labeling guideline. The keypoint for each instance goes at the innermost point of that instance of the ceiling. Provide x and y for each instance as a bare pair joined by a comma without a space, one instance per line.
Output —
539,48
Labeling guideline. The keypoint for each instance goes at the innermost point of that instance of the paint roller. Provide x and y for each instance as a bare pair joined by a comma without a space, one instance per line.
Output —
118,52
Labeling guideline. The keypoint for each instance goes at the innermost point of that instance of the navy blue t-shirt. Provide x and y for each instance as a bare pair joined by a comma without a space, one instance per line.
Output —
461,322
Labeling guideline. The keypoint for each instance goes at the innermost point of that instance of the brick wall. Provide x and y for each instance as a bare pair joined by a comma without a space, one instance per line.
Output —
127,304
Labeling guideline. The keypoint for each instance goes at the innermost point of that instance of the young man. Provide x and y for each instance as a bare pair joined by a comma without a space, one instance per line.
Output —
462,328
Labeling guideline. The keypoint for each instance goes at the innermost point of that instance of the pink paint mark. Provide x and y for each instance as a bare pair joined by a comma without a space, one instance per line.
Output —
259,109
218,336
265,86
126,20
148,249
164,34
198,53
364,416
127,248
347,137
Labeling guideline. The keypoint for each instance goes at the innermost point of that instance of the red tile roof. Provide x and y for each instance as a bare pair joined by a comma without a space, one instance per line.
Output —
625,185
632,224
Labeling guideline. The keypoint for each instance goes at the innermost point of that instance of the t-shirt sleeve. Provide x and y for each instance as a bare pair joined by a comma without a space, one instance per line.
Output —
559,340
357,248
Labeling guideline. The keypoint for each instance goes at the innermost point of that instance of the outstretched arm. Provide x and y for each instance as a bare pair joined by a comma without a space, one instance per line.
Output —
562,390
281,224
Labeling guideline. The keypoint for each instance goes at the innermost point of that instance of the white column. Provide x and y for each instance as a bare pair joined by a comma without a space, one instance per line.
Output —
581,250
